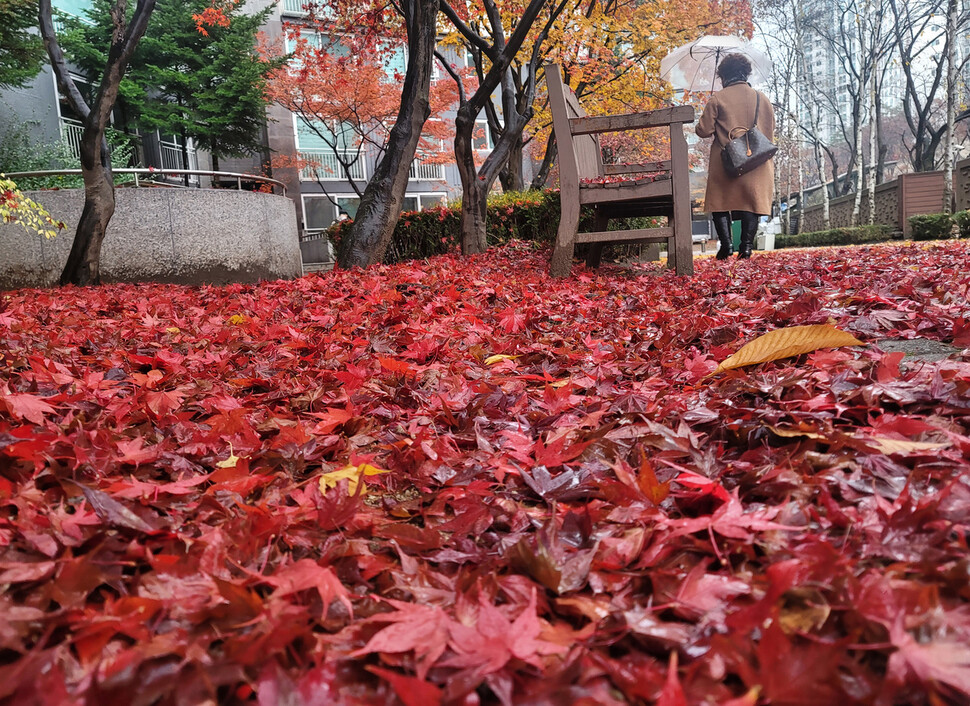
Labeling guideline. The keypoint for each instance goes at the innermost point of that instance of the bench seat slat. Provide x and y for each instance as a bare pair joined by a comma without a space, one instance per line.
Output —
643,235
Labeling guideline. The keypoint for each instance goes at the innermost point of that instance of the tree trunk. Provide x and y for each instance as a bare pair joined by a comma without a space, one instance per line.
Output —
474,191
873,152
800,175
512,175
474,203
84,261
951,103
820,166
380,205
542,176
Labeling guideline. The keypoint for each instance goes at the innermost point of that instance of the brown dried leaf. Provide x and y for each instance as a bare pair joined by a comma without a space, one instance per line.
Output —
787,342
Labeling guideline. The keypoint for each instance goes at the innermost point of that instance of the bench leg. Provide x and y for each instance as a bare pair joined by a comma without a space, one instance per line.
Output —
681,249
682,244
562,253
595,254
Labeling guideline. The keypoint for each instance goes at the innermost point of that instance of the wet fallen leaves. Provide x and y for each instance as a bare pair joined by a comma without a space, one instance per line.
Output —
575,510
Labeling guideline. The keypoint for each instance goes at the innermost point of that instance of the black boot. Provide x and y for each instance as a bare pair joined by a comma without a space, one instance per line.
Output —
722,226
749,229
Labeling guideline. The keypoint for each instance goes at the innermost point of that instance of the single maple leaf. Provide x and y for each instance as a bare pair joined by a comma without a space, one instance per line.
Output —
306,574
488,644
29,407
422,629
352,474
944,661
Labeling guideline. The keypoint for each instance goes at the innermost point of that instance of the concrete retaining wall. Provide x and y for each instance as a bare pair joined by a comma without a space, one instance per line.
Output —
185,236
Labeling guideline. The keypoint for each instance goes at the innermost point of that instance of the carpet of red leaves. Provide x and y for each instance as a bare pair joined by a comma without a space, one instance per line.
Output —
592,521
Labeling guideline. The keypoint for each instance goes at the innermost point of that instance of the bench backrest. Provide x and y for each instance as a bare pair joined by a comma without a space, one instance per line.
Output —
580,156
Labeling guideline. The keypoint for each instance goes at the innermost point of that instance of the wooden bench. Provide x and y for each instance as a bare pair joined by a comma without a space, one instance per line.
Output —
585,181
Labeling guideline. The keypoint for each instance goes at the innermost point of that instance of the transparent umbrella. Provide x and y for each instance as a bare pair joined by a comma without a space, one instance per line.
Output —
692,67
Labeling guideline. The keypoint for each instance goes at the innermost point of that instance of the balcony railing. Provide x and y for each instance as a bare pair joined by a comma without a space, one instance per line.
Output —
59,17
327,166
71,134
173,157
294,7
421,171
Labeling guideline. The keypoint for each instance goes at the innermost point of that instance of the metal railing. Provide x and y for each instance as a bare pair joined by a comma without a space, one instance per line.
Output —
71,131
173,157
327,166
421,171
294,7
145,177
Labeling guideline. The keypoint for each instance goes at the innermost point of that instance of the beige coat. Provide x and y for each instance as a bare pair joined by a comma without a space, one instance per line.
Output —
729,108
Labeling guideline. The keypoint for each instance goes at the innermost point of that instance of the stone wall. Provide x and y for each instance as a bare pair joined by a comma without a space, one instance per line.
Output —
185,236
840,209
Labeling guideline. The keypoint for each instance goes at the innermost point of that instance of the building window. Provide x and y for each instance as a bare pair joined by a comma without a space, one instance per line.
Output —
320,212
419,202
325,149
482,136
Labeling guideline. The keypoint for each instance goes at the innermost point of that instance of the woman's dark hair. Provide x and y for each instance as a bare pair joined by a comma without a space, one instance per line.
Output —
733,68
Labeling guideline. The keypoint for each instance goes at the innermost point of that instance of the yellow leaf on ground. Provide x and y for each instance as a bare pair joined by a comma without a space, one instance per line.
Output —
352,474
787,342
173,329
493,359
903,446
236,319
229,462
791,433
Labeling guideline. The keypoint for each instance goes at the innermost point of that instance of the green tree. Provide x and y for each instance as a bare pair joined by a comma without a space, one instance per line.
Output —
208,86
21,51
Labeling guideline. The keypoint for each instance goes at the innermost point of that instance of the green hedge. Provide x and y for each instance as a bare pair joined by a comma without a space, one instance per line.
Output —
527,215
836,236
936,226
939,226
962,219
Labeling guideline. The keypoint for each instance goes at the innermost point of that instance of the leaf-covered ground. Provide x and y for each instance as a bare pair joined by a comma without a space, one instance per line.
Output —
574,513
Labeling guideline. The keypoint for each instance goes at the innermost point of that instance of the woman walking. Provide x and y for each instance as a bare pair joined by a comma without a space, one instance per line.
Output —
747,197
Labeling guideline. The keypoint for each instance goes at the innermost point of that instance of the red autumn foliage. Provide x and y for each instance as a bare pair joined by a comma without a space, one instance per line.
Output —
588,517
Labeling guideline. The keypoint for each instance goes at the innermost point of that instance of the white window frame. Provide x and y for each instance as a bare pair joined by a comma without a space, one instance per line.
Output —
329,199
438,195
489,144
337,174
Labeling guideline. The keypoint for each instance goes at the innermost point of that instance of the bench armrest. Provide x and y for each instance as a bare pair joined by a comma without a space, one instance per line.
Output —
631,121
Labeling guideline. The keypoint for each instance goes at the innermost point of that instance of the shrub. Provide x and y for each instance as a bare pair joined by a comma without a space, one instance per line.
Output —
836,236
962,219
20,151
936,226
526,215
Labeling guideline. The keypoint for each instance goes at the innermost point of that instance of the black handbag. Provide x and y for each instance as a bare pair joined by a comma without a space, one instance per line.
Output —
748,151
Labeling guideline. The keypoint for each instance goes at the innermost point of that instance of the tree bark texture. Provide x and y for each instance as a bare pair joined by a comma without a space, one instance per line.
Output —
512,176
380,206
951,103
